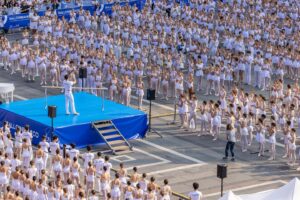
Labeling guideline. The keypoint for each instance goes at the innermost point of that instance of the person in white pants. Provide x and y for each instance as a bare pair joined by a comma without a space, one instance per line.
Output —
69,95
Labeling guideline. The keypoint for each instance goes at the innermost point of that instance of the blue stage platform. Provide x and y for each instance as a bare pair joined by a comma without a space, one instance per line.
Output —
132,123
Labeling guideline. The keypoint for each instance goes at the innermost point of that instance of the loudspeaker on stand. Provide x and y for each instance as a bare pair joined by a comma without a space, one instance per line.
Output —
222,171
52,111
150,94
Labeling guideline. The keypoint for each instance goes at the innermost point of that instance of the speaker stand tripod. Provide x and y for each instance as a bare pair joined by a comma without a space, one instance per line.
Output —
221,174
52,127
150,129
52,115
257,152
222,185
174,116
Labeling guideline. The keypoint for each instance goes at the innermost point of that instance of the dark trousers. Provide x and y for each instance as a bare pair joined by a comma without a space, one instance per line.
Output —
229,145
168,11
152,6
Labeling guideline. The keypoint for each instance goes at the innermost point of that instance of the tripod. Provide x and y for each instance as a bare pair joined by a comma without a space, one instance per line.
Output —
150,97
175,113
52,115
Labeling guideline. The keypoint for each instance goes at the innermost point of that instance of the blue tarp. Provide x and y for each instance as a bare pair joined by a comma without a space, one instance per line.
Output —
22,20
132,123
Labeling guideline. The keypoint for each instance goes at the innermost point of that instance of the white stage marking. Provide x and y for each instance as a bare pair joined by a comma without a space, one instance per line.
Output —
149,154
247,187
162,160
172,152
176,168
20,97
127,158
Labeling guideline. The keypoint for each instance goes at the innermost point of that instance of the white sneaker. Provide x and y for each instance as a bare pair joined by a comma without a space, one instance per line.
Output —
76,113
271,158
284,156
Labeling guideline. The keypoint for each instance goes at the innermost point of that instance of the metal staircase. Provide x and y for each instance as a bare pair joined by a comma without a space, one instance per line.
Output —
115,141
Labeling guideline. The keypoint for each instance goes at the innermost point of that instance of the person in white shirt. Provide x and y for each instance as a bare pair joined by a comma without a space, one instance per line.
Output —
69,95
45,147
93,196
73,152
196,194
98,163
15,162
27,134
88,156
107,164
54,145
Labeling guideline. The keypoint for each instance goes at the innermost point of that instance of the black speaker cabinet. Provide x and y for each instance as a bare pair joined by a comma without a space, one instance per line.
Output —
52,111
222,171
82,72
150,94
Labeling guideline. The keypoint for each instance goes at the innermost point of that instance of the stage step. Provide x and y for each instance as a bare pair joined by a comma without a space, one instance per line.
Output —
102,125
111,136
121,148
115,142
114,139
111,130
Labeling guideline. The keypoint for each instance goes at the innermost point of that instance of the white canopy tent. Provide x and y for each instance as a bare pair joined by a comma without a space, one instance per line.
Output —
290,191
258,196
230,196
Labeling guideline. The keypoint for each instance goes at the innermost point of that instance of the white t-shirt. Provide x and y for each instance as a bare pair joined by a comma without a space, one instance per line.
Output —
195,195
27,135
68,86
53,147
108,166
73,153
87,158
45,146
99,164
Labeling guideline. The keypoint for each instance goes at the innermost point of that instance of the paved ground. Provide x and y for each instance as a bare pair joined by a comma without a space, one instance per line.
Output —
183,157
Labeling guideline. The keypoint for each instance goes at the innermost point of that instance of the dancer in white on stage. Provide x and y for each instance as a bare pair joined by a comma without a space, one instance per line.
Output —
69,95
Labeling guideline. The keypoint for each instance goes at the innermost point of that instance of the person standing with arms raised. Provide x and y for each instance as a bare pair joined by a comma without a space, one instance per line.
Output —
69,98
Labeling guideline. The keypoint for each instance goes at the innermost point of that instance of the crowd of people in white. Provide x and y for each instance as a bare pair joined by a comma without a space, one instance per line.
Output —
214,47
50,173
